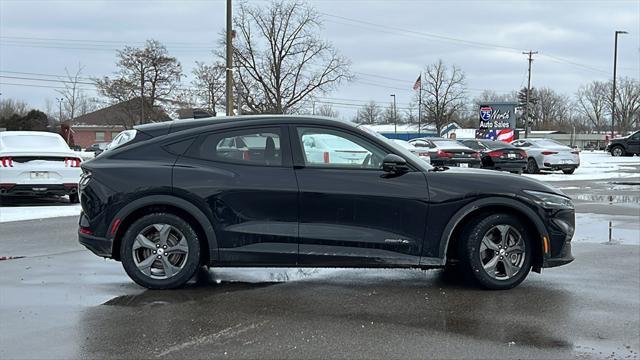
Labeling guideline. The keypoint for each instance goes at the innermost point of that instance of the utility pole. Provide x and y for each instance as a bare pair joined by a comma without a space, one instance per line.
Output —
526,105
613,92
229,60
395,117
420,105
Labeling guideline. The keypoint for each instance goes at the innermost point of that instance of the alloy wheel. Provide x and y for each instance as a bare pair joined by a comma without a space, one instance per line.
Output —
160,251
617,151
502,252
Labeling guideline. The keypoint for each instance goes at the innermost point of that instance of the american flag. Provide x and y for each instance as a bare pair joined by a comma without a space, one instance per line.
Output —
417,84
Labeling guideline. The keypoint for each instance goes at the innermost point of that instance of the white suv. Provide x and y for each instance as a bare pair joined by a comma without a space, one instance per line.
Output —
38,164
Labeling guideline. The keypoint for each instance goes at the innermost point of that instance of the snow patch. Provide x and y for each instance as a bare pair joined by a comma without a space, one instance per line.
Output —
8,214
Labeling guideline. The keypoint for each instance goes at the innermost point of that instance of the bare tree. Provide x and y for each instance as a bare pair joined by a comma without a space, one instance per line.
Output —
551,109
443,93
72,94
9,107
627,104
209,83
368,114
148,73
328,111
592,102
280,61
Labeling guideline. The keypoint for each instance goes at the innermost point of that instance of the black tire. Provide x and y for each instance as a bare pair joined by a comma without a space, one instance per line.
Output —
469,252
191,259
532,166
74,198
617,150
568,171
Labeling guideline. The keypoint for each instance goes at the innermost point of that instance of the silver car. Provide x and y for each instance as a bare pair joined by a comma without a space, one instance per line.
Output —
422,154
547,154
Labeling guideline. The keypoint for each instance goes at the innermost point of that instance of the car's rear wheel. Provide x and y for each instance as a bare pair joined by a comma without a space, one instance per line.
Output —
160,251
495,252
617,151
532,166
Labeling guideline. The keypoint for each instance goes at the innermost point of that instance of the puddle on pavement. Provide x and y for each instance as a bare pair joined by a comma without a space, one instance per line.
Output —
604,198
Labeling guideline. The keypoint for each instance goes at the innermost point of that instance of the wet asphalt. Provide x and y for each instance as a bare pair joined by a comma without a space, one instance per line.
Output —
60,301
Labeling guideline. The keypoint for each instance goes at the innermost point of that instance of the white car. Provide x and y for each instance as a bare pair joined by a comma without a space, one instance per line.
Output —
422,154
547,154
334,150
38,164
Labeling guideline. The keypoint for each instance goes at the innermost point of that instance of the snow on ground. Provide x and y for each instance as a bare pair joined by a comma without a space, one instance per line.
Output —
37,212
596,165
594,228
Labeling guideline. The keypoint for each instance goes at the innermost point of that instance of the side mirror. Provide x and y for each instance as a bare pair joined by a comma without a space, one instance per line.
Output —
393,163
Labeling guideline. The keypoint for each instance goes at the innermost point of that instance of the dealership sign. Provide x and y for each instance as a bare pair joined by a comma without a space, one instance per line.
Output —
497,121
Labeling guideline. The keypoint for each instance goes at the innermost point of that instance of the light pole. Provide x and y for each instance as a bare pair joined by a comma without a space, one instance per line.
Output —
395,117
229,67
60,108
613,91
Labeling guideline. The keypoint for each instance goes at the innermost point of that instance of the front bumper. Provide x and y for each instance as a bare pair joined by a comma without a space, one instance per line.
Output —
563,258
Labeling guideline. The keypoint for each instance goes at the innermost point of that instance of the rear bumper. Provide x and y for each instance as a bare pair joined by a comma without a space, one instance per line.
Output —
508,165
38,189
472,163
98,245
551,166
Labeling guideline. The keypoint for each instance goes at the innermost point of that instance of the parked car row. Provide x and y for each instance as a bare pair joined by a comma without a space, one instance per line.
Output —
523,155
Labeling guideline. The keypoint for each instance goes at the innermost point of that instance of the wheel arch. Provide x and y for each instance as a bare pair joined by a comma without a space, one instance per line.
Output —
468,213
169,204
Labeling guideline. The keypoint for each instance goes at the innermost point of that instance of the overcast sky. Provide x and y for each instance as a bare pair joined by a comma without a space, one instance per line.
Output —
388,42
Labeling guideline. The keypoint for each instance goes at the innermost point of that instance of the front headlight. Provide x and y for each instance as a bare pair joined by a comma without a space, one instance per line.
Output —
550,201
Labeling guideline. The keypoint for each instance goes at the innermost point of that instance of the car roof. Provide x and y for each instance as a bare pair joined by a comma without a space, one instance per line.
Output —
166,127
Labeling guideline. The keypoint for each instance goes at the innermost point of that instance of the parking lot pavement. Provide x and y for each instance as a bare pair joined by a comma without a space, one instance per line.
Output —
71,304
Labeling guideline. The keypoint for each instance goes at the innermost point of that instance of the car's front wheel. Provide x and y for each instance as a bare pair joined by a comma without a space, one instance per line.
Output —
495,252
160,251
617,151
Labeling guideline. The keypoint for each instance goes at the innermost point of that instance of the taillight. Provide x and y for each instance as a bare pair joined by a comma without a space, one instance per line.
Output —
523,154
476,155
444,154
6,161
72,162
549,152
495,154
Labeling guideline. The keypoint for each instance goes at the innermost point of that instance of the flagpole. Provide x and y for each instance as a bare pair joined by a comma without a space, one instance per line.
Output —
420,104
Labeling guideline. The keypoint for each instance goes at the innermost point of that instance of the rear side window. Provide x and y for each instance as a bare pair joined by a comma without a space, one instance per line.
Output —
250,147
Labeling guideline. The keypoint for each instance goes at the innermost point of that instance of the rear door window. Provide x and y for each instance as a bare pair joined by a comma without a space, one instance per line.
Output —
248,146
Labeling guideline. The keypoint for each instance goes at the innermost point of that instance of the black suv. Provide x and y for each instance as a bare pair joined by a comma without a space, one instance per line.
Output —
626,146
309,192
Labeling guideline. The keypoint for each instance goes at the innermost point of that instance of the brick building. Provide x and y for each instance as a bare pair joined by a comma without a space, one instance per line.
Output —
104,124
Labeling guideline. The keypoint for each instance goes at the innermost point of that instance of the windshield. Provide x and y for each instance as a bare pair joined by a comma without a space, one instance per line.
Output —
121,139
497,145
447,143
547,142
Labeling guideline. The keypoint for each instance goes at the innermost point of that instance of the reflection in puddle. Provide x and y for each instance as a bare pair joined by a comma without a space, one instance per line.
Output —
616,199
